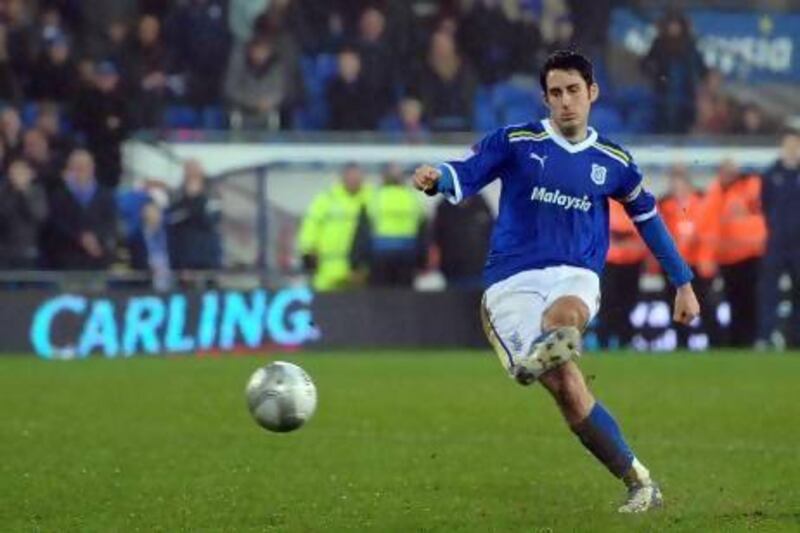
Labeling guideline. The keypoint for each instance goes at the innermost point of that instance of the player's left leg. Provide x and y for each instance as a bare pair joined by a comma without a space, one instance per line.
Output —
591,422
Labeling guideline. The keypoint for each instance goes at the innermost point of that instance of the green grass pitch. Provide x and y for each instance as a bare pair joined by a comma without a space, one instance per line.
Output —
419,441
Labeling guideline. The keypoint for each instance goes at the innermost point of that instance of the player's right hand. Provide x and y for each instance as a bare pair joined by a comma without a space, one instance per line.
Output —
425,178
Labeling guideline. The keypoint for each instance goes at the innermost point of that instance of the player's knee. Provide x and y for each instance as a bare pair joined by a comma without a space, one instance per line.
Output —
566,311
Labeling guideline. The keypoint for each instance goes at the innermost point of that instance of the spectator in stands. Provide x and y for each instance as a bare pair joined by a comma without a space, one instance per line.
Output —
733,235
18,37
389,241
318,26
487,37
36,151
157,8
149,248
753,121
328,230
446,86
624,265
681,209
591,24
563,35
461,235
780,196
10,86
676,68
408,123
48,121
102,114
273,25
256,83
50,24
11,132
351,104
242,18
714,108
55,74
104,27
528,42
23,210
148,67
193,220
81,228
197,31
380,67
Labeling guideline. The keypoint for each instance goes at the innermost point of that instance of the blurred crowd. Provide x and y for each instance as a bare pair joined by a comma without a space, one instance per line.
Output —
739,235
404,67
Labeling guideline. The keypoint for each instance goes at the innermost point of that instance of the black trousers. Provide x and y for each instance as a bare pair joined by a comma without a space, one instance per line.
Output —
741,290
620,290
392,270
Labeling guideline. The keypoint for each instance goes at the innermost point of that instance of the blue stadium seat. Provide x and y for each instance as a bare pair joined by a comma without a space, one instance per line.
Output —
181,116
29,113
607,120
214,118
484,118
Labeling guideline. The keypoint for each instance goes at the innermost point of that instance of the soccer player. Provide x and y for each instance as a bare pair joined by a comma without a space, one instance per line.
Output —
549,245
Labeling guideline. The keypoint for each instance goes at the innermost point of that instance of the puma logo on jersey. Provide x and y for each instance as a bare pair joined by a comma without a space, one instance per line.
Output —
542,194
539,158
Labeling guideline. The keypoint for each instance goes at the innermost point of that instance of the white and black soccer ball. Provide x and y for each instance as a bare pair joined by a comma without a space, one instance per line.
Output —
281,396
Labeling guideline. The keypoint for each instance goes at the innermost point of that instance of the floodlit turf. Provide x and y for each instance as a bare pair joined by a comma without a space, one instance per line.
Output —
400,442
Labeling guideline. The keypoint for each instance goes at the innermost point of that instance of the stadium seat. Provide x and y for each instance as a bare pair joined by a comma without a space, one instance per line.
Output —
181,116
214,118
607,120
484,118
29,113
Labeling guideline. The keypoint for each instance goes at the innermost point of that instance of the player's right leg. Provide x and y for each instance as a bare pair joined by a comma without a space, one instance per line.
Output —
591,422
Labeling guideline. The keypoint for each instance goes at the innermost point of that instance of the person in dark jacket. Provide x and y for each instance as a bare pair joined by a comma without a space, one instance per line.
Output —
351,103
102,114
55,74
780,198
23,210
81,228
676,68
461,233
193,223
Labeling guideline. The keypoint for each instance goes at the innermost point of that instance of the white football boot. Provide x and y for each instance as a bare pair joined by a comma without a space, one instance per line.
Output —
551,350
642,498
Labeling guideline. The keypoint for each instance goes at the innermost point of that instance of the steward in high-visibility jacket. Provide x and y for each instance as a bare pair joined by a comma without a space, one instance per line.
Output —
734,233
328,230
682,211
390,239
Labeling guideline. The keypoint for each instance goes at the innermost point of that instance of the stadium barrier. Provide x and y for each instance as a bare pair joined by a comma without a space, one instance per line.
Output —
123,322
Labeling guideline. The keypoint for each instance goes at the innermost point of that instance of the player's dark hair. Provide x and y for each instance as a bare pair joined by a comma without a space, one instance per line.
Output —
567,60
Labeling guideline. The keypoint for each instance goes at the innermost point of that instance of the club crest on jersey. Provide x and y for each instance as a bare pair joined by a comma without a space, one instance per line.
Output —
598,174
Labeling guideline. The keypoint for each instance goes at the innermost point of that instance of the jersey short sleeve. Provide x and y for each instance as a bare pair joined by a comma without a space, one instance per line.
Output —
639,203
479,167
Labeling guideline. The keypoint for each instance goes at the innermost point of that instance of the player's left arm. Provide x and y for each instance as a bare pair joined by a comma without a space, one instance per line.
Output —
640,206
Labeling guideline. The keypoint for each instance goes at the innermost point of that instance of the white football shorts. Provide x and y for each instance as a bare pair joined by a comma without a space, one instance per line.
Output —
512,309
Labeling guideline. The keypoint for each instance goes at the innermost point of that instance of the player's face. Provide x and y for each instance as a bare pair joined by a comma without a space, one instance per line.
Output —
569,98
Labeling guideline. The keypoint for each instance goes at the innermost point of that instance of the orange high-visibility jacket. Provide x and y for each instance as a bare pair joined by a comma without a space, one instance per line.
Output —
625,246
732,227
682,217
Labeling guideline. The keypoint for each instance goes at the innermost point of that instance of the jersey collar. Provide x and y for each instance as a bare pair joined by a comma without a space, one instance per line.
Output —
565,144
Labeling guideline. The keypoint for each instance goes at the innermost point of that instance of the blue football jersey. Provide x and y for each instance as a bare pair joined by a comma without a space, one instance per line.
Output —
554,198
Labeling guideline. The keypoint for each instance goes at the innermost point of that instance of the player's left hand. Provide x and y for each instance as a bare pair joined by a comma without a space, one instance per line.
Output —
687,308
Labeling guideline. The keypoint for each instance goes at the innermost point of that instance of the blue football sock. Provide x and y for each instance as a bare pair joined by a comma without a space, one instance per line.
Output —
601,435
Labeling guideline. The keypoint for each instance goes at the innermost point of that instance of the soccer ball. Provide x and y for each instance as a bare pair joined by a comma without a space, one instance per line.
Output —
281,396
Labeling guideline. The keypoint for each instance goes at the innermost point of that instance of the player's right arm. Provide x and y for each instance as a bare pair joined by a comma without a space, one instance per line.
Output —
460,179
